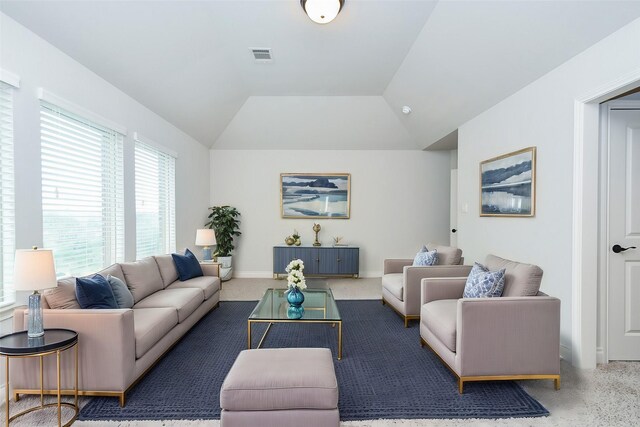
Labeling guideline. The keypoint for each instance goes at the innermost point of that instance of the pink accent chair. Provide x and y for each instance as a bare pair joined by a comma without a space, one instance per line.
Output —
513,337
401,281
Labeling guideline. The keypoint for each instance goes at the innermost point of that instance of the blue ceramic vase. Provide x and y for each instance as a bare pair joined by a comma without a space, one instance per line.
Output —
295,297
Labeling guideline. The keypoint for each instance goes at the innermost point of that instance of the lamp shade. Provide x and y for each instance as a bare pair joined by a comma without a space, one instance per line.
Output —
34,270
205,237
322,11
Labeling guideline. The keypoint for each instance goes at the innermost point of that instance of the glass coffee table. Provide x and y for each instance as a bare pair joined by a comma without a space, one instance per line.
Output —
319,307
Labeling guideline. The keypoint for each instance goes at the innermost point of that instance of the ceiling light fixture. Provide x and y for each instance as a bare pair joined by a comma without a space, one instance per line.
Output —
322,11
406,110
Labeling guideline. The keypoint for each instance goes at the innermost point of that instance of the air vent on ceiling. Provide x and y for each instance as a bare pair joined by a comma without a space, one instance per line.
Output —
261,54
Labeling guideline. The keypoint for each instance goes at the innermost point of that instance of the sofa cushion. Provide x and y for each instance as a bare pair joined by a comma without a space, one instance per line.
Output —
167,269
440,317
63,296
142,277
95,292
150,325
447,255
187,265
280,379
520,279
483,283
184,301
113,270
209,285
120,292
392,282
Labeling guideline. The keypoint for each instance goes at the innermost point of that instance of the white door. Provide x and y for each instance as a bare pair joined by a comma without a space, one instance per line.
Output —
453,209
624,232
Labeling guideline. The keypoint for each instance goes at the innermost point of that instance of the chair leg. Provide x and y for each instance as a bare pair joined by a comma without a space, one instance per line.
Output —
460,385
383,301
422,342
556,383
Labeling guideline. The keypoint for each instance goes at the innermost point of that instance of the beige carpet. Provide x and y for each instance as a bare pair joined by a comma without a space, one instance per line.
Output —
606,396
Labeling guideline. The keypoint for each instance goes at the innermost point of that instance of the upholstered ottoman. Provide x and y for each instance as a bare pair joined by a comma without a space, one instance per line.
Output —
281,387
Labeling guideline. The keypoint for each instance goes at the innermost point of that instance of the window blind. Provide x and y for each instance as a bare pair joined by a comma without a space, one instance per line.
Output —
7,196
155,201
82,192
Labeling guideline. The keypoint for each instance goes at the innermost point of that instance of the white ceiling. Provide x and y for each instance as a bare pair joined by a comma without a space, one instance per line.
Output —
189,61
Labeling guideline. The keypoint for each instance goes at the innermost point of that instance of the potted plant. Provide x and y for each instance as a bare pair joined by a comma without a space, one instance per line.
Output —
224,220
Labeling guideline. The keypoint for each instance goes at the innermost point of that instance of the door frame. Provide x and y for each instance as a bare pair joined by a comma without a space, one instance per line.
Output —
602,351
586,237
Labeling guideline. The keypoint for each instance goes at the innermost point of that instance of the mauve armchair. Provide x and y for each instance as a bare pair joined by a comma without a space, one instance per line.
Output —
401,281
513,337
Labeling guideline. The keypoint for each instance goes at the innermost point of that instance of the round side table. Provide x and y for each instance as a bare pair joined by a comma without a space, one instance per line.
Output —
18,345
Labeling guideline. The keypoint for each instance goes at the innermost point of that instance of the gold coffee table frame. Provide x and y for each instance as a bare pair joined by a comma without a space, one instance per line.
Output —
59,404
272,319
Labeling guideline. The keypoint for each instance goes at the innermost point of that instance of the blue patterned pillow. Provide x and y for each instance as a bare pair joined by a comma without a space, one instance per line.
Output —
483,283
425,258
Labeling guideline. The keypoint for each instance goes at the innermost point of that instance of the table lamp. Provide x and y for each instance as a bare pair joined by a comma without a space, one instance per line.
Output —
206,237
34,270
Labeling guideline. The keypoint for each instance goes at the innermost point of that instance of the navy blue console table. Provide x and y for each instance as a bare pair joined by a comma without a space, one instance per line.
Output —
318,260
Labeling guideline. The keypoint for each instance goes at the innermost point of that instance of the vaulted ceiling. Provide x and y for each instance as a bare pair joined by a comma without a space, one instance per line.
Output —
190,62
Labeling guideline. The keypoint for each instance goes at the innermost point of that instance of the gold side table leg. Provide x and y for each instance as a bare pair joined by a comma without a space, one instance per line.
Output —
41,382
249,334
59,400
6,387
340,340
76,389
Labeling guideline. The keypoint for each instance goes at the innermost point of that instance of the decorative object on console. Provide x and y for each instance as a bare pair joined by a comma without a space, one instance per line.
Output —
34,270
224,220
187,265
318,195
483,283
337,241
316,228
322,11
206,237
294,239
508,184
425,257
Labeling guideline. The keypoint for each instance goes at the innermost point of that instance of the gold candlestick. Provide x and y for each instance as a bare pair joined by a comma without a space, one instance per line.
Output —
316,228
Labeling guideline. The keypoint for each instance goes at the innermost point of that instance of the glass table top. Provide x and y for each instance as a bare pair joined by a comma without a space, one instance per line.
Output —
318,305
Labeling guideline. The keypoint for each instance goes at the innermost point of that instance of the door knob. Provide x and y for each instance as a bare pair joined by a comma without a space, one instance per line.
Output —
617,248
453,230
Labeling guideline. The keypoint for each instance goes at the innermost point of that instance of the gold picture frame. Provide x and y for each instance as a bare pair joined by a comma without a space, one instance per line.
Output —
508,184
315,195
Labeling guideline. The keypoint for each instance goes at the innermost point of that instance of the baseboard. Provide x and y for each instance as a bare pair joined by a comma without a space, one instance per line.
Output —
600,359
269,274
253,274
565,353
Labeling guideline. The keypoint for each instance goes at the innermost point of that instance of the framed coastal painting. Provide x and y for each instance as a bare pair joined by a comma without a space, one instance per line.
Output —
315,195
508,184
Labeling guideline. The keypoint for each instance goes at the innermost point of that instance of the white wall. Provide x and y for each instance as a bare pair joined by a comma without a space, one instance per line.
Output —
399,201
541,115
39,64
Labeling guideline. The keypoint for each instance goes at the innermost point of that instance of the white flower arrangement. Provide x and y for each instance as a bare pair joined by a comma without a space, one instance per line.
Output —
296,279
294,265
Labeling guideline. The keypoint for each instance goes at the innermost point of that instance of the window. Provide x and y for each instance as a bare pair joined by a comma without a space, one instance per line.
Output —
82,192
155,201
7,199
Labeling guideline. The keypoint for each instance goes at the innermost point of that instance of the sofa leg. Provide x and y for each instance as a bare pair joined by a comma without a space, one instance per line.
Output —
383,301
556,383
406,322
422,342
122,400
460,385
16,397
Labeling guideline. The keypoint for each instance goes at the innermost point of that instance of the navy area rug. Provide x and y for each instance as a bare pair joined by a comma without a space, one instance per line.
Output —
384,373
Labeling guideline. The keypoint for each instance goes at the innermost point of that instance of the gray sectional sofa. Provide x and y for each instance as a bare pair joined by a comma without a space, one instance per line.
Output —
118,346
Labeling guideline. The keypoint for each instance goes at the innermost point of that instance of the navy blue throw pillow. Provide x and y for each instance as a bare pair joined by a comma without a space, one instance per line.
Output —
187,265
95,292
